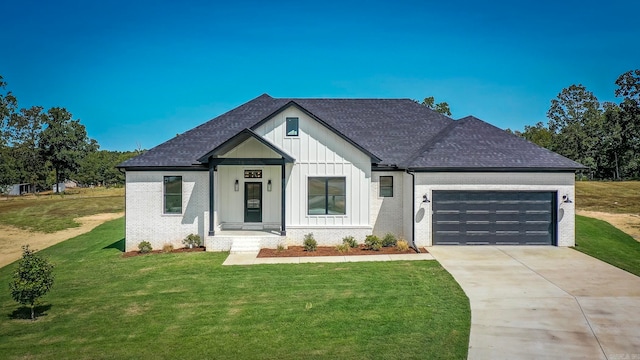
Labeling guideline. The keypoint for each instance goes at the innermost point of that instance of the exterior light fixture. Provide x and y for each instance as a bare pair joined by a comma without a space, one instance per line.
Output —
269,185
425,199
565,199
236,186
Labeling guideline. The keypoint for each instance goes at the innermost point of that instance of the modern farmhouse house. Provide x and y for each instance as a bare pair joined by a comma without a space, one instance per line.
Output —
272,170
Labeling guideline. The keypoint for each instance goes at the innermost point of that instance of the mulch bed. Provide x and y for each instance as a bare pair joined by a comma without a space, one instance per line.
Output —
180,250
299,251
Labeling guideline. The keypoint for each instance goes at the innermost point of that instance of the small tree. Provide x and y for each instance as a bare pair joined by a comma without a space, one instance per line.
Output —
32,279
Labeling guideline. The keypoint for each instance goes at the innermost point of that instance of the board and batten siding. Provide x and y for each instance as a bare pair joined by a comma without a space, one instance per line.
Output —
318,151
563,183
145,218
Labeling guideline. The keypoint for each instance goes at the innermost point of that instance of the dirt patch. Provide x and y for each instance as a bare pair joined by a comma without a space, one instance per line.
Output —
629,223
299,251
12,238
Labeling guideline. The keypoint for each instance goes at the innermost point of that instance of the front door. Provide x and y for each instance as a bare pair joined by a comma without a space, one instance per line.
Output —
252,202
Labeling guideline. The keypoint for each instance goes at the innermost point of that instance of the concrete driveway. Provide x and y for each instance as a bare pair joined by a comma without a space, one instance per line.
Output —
545,302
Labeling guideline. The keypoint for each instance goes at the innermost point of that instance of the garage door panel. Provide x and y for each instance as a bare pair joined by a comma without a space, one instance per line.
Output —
493,217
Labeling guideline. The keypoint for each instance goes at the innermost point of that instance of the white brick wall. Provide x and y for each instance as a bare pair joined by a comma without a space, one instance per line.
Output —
145,220
387,214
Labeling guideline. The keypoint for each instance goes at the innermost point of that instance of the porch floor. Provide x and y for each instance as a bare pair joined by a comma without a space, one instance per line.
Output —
246,233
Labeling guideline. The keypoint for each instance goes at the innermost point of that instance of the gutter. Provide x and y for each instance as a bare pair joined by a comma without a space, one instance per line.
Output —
413,211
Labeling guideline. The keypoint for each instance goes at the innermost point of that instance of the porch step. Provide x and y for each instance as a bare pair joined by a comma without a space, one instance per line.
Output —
245,245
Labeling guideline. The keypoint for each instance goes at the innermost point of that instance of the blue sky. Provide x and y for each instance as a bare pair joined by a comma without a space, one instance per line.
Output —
138,72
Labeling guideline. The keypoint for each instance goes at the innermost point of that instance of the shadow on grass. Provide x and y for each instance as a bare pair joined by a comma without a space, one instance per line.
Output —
24,312
116,245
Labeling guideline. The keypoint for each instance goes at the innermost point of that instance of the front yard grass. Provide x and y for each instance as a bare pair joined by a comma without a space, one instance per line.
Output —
603,241
188,306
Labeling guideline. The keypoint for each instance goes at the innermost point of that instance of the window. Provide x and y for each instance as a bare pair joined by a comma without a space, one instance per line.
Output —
173,194
327,196
292,126
386,186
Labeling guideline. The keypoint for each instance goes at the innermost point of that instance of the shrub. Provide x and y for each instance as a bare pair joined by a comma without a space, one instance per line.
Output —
192,240
145,247
281,247
351,241
310,244
373,242
402,245
343,248
32,278
389,240
167,248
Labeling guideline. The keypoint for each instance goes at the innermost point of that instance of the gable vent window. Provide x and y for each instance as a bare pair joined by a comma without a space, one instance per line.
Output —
386,186
292,126
173,194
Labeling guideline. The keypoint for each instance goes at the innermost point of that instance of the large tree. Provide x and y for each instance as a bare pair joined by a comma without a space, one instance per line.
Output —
628,118
575,117
24,131
64,142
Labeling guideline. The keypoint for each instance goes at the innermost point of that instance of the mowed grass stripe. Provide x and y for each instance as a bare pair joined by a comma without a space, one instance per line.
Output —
189,306
603,241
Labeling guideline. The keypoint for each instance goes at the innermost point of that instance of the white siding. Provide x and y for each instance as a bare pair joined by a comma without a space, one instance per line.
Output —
318,151
145,220
562,183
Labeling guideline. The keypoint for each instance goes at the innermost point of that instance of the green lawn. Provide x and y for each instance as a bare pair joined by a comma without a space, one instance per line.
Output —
603,241
188,306
50,213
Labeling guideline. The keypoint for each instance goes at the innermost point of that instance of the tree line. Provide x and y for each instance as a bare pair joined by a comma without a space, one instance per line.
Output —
42,148
604,137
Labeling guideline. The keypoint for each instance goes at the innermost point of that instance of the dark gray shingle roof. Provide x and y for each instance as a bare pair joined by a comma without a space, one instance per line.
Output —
399,132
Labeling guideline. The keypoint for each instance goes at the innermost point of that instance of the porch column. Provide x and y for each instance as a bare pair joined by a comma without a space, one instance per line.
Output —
211,199
283,225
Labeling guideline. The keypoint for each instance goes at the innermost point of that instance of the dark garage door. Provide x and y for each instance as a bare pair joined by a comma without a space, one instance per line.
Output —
493,217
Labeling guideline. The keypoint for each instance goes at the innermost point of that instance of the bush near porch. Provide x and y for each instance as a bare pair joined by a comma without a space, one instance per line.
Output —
188,306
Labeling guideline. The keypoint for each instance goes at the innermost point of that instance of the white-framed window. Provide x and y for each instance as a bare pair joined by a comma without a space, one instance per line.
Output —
292,126
386,186
327,196
172,191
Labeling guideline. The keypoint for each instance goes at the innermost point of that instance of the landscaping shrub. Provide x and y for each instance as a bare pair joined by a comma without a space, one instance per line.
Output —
192,240
310,244
402,245
167,248
389,240
373,242
343,248
145,247
351,241
281,247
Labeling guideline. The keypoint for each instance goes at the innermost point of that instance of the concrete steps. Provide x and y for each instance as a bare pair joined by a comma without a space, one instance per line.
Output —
243,245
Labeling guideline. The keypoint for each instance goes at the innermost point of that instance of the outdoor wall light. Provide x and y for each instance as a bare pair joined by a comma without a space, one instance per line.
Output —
425,199
269,185
565,199
236,186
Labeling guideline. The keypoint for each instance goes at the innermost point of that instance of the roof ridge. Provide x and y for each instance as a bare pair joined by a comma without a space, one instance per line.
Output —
434,140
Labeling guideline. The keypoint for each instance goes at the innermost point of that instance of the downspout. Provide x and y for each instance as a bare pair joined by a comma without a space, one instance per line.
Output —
413,212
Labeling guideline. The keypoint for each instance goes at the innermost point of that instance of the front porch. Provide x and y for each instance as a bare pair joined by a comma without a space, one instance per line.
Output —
244,240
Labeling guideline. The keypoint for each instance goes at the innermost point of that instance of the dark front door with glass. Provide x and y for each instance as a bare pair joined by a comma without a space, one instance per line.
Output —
252,202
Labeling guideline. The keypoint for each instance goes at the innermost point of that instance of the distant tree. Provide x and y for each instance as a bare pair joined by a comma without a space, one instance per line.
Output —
64,142
538,134
25,128
99,167
574,118
8,105
442,107
32,279
628,118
